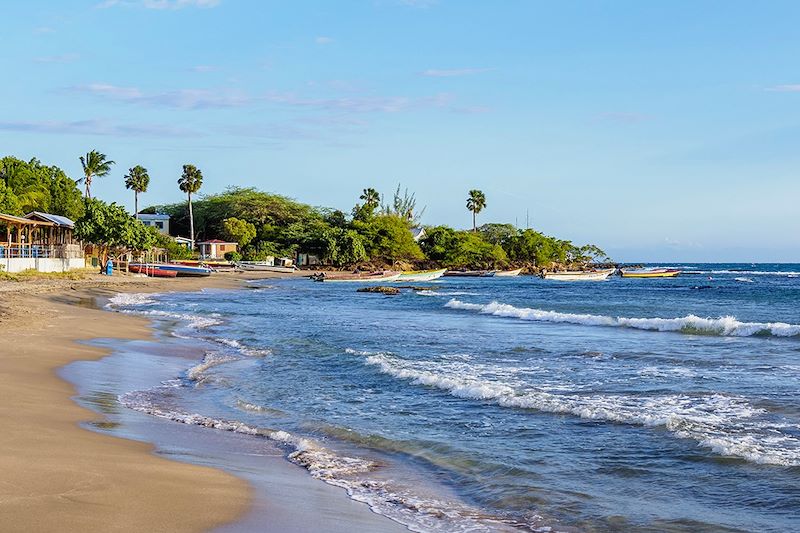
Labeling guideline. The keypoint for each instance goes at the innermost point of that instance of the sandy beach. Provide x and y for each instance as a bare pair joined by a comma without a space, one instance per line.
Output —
60,476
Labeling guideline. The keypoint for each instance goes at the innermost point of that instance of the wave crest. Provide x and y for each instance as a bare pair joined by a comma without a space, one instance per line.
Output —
727,326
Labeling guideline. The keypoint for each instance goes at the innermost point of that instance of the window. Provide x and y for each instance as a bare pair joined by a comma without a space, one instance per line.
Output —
160,225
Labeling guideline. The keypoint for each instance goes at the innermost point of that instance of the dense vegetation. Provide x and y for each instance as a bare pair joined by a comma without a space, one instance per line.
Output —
267,224
375,232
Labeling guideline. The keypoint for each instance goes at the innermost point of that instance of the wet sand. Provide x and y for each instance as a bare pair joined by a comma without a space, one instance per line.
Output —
58,476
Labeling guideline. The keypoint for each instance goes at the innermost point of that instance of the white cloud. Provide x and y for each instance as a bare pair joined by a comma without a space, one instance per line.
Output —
786,88
446,73
43,29
96,127
181,98
362,104
203,68
323,40
159,4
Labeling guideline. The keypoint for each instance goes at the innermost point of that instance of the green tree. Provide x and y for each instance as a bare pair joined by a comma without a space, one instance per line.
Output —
9,203
497,233
371,198
343,247
476,203
237,230
404,205
95,165
388,237
190,182
112,230
137,180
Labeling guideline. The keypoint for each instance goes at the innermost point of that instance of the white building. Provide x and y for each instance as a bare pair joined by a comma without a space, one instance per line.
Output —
160,222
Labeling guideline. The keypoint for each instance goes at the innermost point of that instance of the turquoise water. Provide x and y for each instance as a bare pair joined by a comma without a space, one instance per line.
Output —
520,403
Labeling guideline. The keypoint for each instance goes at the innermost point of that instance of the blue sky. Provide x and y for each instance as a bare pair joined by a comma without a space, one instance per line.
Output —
660,131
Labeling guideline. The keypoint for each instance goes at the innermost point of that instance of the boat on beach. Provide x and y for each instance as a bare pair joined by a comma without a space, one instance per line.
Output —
508,273
183,270
580,275
470,273
151,270
365,277
650,273
263,266
422,275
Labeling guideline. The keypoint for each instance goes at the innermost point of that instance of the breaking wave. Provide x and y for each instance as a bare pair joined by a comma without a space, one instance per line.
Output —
727,425
401,504
724,326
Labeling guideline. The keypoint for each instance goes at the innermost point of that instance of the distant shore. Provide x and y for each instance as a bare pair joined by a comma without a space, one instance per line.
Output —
58,476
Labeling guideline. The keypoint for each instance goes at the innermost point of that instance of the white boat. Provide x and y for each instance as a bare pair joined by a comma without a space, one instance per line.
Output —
373,277
508,273
580,275
261,266
421,275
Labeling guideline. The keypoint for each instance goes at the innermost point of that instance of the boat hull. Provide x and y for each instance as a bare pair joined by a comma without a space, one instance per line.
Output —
423,275
470,273
665,273
185,270
354,278
599,275
152,271
508,273
257,267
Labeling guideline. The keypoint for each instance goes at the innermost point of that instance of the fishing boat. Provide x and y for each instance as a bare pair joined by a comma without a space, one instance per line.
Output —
508,273
185,270
650,273
422,275
580,275
151,270
215,265
263,266
366,277
470,273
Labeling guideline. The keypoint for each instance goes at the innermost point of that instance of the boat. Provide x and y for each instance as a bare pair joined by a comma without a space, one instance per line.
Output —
185,270
263,266
216,265
422,275
508,273
650,273
580,275
151,270
470,273
366,277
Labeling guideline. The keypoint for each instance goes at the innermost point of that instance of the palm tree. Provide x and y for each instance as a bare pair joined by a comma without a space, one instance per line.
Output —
94,165
371,198
476,203
190,182
137,181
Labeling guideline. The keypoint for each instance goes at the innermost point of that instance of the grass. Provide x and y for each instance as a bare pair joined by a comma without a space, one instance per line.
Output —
32,275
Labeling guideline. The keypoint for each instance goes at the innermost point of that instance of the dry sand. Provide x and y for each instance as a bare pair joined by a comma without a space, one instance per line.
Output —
56,476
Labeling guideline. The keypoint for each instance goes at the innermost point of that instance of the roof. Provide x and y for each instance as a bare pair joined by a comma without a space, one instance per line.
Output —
24,221
182,239
58,220
216,241
417,233
150,216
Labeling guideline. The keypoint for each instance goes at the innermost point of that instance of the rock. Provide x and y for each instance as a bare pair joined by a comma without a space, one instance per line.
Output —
389,291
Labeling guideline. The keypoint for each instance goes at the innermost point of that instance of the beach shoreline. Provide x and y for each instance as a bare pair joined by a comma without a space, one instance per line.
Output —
59,475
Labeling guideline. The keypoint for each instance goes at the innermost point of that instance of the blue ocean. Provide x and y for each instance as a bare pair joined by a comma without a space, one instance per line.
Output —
483,404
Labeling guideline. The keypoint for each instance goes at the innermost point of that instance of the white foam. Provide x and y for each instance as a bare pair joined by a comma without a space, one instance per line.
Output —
728,425
132,299
244,350
743,280
198,372
429,292
421,514
724,326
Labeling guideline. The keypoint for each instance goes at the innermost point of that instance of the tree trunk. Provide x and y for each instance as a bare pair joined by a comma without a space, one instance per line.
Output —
474,223
136,203
88,186
191,222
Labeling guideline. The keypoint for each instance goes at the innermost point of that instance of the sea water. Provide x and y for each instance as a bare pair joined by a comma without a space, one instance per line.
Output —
512,403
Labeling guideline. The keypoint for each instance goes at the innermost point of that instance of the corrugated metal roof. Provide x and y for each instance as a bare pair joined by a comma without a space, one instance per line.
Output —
25,221
216,241
58,220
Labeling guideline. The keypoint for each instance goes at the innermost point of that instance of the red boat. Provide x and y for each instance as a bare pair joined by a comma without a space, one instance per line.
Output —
151,270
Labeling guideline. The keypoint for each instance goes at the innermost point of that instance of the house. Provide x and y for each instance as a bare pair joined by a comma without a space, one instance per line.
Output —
160,222
216,249
418,233
38,241
183,241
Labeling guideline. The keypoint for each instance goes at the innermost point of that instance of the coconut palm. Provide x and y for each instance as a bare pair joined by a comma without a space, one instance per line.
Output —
137,181
371,198
476,203
190,182
95,165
